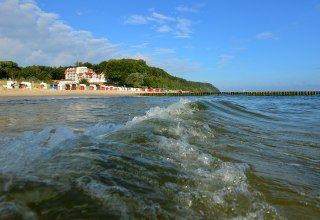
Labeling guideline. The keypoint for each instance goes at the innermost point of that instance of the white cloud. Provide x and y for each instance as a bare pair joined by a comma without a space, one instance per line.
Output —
224,59
164,29
164,51
136,19
160,17
30,36
180,27
266,36
183,28
153,17
195,8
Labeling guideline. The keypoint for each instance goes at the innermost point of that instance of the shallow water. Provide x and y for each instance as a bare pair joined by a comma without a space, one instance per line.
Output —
214,157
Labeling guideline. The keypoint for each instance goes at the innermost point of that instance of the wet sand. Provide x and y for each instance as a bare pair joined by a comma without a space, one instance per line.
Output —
51,92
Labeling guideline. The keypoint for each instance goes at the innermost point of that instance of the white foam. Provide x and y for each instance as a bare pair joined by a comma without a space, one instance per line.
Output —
215,181
170,112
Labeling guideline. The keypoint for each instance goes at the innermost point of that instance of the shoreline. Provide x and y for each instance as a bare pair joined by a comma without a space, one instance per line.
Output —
36,92
52,92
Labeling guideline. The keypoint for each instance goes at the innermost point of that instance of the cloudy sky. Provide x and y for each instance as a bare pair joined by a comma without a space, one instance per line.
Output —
235,45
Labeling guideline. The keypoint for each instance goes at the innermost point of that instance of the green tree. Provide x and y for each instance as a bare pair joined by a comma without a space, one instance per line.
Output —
135,80
37,73
58,72
9,69
117,71
3,73
84,81
101,66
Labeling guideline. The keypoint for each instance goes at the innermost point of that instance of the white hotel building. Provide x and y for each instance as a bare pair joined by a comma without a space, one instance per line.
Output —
79,73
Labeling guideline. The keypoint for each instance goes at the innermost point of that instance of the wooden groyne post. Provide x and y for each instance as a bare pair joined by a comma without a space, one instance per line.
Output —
269,93
273,93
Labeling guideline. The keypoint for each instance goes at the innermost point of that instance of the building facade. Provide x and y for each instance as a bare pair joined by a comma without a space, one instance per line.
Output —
79,73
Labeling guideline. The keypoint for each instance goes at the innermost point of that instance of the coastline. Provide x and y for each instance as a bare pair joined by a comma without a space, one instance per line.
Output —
52,92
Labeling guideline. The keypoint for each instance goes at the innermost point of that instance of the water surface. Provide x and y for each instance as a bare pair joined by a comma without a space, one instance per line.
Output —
214,157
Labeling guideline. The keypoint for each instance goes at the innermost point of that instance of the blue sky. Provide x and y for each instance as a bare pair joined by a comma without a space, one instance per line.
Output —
235,45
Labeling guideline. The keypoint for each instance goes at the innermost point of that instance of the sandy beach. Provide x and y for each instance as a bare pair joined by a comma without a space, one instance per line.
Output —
51,92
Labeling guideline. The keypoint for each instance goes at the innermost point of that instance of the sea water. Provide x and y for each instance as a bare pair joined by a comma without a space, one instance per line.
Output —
214,157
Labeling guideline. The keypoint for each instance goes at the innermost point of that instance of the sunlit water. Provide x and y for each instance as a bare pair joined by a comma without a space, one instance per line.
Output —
214,157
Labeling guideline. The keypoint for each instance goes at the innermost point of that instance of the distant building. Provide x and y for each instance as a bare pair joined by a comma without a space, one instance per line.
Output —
79,73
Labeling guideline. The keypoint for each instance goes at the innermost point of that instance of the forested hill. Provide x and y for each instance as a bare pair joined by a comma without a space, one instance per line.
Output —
128,72
137,73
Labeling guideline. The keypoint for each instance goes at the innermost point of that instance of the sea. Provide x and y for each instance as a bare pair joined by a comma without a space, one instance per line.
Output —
209,157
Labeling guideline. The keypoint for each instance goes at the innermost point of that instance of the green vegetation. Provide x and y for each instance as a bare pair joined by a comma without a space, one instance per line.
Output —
84,81
9,69
124,72
137,73
135,80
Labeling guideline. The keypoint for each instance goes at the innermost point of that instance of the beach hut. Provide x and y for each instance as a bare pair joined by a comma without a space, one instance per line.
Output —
67,85
43,85
92,87
103,87
70,86
25,85
11,84
82,87
54,86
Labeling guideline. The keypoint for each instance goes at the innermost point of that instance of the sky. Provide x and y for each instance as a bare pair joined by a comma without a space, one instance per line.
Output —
236,45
